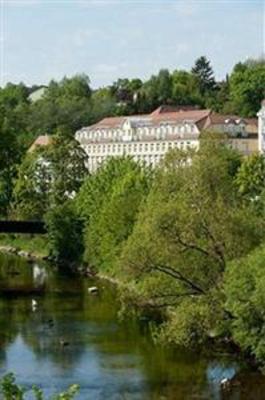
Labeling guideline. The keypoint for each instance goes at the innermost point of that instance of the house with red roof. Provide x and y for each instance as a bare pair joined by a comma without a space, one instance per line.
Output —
147,137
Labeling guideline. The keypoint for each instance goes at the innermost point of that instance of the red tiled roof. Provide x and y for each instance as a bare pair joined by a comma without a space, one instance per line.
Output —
42,140
170,109
174,114
219,119
162,114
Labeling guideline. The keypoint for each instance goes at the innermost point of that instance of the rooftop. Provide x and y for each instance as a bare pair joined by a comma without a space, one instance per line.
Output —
42,140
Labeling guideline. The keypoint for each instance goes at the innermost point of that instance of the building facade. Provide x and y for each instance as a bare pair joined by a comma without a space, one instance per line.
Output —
147,138
261,116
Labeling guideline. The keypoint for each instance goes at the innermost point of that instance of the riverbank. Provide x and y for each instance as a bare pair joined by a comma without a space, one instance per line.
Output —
27,246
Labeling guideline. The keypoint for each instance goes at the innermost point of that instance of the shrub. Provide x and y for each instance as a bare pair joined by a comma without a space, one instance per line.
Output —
245,293
65,233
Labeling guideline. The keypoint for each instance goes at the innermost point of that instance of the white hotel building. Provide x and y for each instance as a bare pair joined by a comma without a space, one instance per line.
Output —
146,138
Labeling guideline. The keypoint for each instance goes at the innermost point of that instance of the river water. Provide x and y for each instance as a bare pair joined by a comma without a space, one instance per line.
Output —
69,336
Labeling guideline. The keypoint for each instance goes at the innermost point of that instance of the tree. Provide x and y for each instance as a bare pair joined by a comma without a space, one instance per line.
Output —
247,84
245,300
65,231
251,176
10,390
49,176
65,104
97,186
192,224
185,89
113,222
32,188
204,72
68,163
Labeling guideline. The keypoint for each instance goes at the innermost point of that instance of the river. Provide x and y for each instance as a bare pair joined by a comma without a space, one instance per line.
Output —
68,335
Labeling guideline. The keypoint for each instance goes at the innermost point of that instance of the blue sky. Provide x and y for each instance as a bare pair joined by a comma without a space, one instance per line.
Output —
107,39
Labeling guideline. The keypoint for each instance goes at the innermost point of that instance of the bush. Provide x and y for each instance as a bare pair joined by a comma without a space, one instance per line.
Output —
245,293
65,233
10,390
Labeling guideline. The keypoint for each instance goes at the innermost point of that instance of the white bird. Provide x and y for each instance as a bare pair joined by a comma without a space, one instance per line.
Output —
92,289
225,382
34,305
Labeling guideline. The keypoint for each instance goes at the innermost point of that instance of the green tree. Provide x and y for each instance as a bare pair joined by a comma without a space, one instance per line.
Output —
185,88
10,390
113,222
247,83
192,224
95,187
33,186
251,176
48,176
68,164
65,231
204,72
245,300
65,104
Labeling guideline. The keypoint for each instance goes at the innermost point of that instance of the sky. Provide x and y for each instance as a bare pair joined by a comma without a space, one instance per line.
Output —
42,40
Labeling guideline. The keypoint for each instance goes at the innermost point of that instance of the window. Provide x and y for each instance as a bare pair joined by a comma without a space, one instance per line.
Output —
146,146
157,146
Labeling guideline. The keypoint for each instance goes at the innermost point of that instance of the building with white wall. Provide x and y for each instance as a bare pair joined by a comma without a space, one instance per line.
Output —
147,138
261,117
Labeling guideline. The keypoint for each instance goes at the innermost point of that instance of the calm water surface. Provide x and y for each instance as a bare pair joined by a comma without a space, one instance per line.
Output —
109,359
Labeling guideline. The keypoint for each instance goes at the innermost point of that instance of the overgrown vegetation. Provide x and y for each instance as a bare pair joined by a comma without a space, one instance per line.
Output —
10,390
181,240
186,239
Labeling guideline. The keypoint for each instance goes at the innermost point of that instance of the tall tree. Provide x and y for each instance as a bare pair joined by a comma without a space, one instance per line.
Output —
192,224
247,83
204,72
49,176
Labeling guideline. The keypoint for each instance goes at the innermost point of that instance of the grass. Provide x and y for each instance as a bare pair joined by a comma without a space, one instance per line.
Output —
35,244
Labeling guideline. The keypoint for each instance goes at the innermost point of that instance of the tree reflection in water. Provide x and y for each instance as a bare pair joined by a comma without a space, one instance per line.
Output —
75,337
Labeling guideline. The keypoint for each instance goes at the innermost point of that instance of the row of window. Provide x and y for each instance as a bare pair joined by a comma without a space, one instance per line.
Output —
95,161
135,147
119,133
146,157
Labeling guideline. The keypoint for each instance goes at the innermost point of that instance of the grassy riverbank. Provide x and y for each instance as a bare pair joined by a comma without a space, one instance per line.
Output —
37,245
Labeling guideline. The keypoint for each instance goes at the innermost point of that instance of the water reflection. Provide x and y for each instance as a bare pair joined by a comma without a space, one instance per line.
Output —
74,337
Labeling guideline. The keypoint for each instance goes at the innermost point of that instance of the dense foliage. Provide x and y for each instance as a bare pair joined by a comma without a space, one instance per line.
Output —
245,294
10,390
64,233
186,239
48,177
176,235
109,202
70,104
